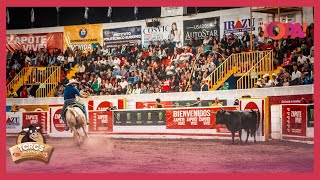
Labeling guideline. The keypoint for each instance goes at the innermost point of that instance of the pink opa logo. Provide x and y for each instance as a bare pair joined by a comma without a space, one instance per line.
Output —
285,29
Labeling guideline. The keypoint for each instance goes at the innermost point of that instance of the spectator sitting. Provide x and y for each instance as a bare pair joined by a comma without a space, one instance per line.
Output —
216,102
305,80
295,75
223,87
137,89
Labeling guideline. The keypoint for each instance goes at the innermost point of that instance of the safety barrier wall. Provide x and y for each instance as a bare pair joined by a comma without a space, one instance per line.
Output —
100,117
132,99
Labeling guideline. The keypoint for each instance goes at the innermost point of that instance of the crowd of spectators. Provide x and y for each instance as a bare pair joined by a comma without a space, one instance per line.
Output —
166,66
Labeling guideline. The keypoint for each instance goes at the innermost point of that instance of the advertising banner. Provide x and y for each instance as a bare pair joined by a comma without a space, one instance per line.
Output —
100,121
239,23
170,28
28,108
171,11
35,42
201,28
35,118
86,37
57,125
128,36
139,117
192,118
189,103
292,99
177,104
294,120
310,111
257,104
103,105
13,122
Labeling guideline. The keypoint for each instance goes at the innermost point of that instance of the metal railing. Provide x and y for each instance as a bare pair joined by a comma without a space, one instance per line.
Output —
18,80
50,84
31,76
263,66
235,63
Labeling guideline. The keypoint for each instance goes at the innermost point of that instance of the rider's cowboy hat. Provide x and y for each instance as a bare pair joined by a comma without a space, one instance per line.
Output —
73,81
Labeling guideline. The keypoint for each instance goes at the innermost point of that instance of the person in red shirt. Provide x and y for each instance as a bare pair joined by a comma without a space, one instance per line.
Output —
24,92
166,86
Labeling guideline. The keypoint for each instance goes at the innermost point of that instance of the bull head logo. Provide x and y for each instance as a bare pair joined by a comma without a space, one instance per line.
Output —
32,134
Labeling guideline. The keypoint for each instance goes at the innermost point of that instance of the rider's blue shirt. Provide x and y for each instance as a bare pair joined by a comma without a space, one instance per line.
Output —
70,92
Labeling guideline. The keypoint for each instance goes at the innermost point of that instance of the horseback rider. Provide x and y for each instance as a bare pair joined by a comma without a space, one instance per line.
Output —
70,93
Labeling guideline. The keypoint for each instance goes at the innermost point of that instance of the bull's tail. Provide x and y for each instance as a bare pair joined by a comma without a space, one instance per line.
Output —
258,121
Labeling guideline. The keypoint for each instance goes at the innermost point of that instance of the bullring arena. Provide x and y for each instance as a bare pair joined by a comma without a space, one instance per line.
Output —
129,132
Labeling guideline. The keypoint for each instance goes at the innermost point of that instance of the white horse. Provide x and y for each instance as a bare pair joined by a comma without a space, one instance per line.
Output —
76,120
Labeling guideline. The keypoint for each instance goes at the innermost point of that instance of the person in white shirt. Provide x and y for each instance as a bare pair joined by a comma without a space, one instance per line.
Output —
104,51
108,85
123,83
206,40
302,59
110,61
170,69
185,56
295,74
274,77
117,62
81,68
137,89
311,56
70,60
267,80
103,61
60,58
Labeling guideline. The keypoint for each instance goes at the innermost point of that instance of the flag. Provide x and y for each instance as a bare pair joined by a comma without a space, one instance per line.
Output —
135,11
109,11
86,12
32,16
8,16
58,9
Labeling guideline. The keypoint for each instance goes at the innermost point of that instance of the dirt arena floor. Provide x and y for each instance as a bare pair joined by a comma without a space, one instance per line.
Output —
106,155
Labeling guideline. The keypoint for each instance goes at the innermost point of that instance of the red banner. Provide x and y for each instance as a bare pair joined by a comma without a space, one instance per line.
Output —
103,105
294,120
147,105
195,118
35,42
35,118
100,121
292,99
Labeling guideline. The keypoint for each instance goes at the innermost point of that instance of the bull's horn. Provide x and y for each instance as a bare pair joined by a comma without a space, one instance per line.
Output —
25,129
221,109
213,112
38,128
